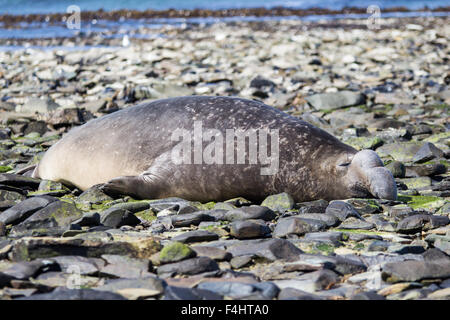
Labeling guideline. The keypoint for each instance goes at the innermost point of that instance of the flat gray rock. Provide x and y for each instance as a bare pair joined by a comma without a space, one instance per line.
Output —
238,290
190,219
117,217
177,204
316,206
340,264
25,209
78,264
181,293
125,267
212,252
94,195
341,210
443,245
419,222
427,152
335,100
241,261
27,269
64,213
271,249
412,271
249,229
329,220
292,226
333,238
17,180
196,236
153,284
363,236
251,212
295,294
188,267
355,223
367,295
75,294
88,219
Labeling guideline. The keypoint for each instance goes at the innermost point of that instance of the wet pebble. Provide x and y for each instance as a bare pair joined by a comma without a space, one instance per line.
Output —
249,229
188,267
251,212
196,236
341,210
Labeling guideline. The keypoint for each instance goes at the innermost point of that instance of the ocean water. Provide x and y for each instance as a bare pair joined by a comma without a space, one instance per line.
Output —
51,6
130,27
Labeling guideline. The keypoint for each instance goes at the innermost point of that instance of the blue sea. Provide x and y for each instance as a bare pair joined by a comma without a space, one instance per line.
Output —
53,6
129,27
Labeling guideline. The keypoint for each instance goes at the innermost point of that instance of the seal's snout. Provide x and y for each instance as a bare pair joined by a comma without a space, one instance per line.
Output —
380,182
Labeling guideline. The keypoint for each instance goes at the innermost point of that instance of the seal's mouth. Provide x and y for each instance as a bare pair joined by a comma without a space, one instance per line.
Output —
360,191
379,181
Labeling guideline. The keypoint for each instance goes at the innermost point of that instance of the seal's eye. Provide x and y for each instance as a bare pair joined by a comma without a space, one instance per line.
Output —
345,161
345,164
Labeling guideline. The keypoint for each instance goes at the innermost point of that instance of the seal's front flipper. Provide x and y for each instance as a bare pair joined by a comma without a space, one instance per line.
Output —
140,187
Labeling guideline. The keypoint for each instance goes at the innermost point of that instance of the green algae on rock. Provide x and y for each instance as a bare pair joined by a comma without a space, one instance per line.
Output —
360,143
403,151
423,202
279,202
175,251
416,183
147,215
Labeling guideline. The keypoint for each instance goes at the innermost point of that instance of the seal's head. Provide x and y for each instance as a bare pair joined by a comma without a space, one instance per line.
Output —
359,175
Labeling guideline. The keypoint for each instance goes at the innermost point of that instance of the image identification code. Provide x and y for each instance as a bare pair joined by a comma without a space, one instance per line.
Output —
237,309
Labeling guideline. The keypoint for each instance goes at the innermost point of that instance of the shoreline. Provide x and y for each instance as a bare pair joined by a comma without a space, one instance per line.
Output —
119,15
110,36
104,33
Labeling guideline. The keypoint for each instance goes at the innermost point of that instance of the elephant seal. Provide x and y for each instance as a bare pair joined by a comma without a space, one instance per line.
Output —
132,152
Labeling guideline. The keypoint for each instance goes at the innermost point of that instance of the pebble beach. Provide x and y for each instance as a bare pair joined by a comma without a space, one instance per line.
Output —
383,87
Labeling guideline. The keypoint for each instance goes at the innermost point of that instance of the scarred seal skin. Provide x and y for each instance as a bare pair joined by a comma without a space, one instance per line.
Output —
131,152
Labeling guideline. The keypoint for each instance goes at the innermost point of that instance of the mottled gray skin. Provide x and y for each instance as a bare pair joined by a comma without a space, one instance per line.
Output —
129,151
